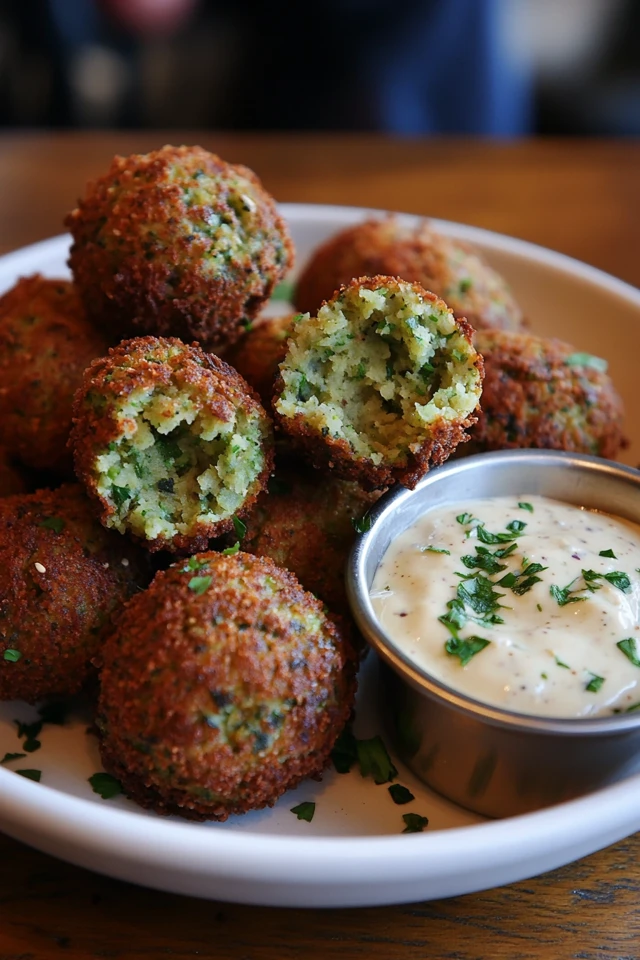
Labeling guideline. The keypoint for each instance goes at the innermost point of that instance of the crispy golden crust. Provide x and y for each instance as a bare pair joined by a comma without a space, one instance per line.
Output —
440,440
177,242
223,686
257,355
210,383
45,344
63,581
450,268
533,398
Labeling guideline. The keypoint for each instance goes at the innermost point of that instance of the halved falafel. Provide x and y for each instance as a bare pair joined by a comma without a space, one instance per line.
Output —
544,393
63,581
223,685
46,342
452,269
170,441
381,385
177,243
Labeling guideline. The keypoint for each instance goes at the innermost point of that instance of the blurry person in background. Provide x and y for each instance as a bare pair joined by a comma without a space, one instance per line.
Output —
483,67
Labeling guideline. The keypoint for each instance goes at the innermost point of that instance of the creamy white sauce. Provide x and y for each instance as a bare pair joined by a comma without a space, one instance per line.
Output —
545,655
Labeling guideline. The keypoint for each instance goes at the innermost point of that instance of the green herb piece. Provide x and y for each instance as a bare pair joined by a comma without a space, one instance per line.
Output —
539,606
431,549
619,580
56,524
565,666
479,594
374,760
304,389
514,528
544,676
464,518
165,485
194,564
400,794
305,810
120,495
520,582
363,524
8,757
105,785
608,553
283,292
488,561
345,751
239,527
634,706
31,745
565,595
458,355
595,683
586,360
526,506
361,370
414,822
30,774
12,655
30,732
466,649
465,284
231,551
630,649
199,584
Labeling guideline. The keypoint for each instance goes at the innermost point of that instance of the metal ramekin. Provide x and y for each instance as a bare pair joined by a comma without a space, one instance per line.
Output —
493,761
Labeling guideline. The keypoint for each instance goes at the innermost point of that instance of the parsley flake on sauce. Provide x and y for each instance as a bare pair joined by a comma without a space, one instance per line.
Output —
105,785
630,649
431,549
526,506
400,794
595,683
30,774
414,822
305,810
608,553
465,649
199,584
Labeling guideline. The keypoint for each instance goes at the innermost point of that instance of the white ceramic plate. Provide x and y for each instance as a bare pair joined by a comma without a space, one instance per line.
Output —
353,853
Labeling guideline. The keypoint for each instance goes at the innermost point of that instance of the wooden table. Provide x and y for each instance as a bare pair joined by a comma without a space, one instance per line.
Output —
580,198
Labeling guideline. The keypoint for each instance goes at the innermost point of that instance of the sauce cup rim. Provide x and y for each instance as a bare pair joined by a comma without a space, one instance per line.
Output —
402,664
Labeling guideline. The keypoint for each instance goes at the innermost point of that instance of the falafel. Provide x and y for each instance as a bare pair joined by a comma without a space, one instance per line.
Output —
450,268
46,343
177,242
381,385
63,581
543,393
170,442
223,685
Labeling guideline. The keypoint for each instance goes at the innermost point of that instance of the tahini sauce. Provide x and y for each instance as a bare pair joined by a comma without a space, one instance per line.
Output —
546,659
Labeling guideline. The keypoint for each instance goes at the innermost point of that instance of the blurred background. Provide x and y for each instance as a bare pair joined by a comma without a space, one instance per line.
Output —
500,68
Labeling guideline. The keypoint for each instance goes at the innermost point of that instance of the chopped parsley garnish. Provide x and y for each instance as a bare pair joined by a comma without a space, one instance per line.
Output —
539,606
239,527
374,761
305,810
478,593
466,649
120,495
56,524
231,551
105,785
559,662
30,732
526,506
608,553
431,549
400,794
361,371
12,655
586,360
345,751
8,757
194,564
488,561
465,284
304,389
630,649
514,529
520,582
634,706
595,683
464,518
199,584
565,595
414,822
30,774
362,524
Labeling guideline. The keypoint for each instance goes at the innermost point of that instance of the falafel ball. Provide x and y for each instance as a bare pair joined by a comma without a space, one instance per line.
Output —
257,355
63,581
45,344
381,385
543,393
306,524
170,441
11,478
450,268
177,243
223,685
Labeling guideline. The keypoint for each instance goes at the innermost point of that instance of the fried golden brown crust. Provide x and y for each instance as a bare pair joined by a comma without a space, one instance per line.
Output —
63,581
129,367
257,355
326,452
45,344
533,398
147,254
450,268
223,686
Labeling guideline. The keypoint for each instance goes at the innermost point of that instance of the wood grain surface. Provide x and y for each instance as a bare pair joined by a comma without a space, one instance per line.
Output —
582,198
